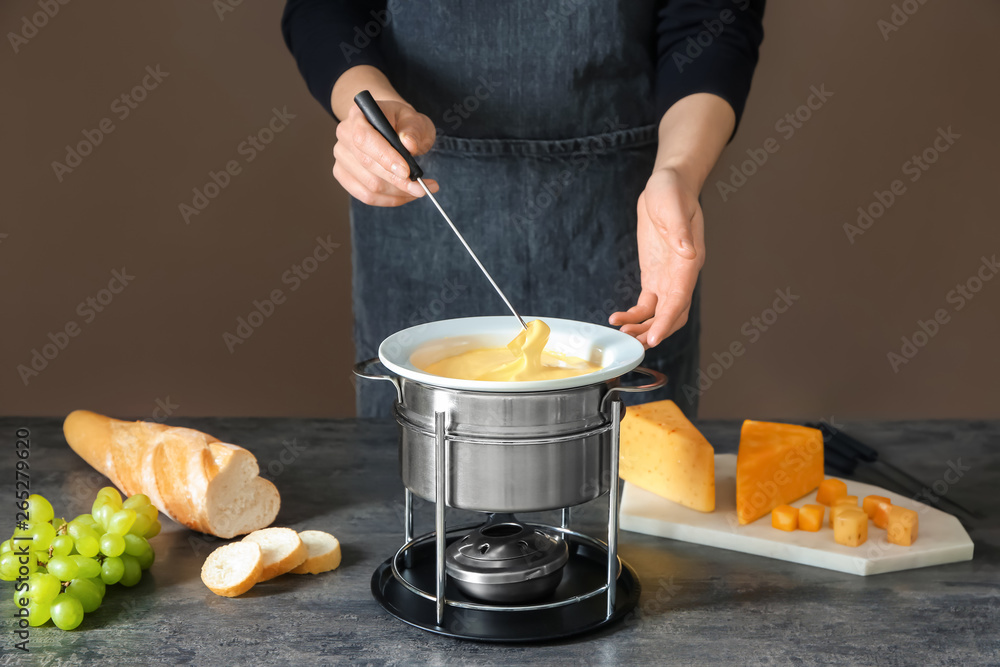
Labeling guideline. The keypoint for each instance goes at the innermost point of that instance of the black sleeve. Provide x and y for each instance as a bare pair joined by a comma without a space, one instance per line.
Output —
328,37
707,46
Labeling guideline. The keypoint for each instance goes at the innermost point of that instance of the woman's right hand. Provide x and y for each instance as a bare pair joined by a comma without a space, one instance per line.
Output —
368,167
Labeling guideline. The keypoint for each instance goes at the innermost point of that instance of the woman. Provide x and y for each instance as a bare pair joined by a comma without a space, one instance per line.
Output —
569,140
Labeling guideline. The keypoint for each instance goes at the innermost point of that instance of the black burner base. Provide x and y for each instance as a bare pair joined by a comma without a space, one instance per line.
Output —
584,572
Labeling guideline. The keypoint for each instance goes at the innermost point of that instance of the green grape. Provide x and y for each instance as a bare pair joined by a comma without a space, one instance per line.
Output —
43,587
151,513
8,545
112,496
132,573
42,535
62,545
135,545
38,613
153,531
112,570
39,509
20,595
9,566
88,546
86,540
146,559
102,515
64,567
141,526
121,521
42,557
112,545
87,592
58,523
136,502
66,611
100,585
88,567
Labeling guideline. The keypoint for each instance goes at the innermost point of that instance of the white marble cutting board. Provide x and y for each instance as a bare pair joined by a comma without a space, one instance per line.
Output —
941,538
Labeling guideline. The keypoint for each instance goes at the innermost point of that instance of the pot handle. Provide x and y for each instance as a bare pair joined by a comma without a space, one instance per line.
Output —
659,379
361,370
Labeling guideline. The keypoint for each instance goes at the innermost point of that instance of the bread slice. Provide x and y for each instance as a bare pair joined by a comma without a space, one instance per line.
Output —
283,550
233,569
324,552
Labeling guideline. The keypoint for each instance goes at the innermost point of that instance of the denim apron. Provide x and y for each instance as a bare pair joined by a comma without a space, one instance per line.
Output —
546,136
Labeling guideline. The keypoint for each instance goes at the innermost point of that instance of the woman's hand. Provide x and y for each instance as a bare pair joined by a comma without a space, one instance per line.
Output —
671,237
671,227
368,167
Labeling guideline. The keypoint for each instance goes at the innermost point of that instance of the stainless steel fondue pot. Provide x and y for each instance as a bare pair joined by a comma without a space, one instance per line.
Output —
509,452
504,447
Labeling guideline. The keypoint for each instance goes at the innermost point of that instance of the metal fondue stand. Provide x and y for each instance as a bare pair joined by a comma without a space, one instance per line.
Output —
403,597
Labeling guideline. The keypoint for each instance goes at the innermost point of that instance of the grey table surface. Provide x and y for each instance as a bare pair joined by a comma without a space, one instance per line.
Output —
699,605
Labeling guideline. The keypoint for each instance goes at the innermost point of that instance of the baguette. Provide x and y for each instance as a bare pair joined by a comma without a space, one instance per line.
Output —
192,477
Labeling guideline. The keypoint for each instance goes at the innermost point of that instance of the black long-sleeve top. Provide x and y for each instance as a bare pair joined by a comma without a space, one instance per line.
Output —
688,61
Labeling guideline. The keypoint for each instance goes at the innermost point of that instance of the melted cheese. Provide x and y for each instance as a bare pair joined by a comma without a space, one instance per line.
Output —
525,358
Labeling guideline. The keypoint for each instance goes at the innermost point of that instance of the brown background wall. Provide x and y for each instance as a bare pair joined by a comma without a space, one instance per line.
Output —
160,340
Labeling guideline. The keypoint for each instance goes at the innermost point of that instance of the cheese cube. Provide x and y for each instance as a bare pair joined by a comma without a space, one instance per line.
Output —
811,517
785,517
903,524
870,504
838,509
777,464
830,490
662,452
851,527
881,516
846,500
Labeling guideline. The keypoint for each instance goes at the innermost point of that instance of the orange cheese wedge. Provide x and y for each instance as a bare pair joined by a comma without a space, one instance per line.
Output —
777,464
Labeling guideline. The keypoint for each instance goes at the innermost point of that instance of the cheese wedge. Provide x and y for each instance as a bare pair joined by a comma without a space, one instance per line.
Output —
662,452
777,464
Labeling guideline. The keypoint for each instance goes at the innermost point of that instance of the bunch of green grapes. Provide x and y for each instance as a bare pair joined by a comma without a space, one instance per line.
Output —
61,568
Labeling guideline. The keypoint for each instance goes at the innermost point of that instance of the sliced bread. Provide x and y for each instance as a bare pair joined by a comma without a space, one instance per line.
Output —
233,569
324,552
283,550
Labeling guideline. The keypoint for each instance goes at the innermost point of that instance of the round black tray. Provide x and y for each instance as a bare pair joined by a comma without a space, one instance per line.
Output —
585,571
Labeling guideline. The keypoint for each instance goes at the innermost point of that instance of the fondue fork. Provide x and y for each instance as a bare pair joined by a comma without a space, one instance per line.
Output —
373,113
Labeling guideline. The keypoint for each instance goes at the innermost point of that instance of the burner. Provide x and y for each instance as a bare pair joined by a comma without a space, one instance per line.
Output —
464,618
506,561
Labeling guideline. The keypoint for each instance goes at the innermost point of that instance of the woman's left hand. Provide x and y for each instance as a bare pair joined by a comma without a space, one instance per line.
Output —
671,238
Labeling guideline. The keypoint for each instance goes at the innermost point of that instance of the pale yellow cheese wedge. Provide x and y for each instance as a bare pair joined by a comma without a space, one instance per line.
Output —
662,452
